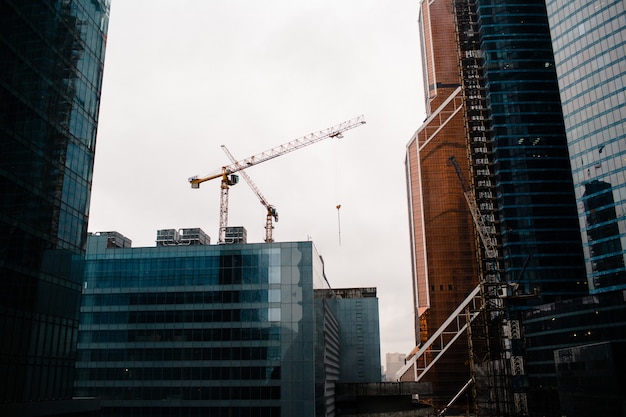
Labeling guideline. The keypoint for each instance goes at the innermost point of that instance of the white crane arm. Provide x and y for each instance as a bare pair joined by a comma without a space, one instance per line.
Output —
247,178
311,138
488,240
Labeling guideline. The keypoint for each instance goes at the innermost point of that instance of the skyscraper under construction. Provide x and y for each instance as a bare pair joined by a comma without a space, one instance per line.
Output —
442,245
504,125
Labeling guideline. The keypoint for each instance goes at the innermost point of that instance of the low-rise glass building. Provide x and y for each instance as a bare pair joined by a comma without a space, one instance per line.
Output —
356,311
191,329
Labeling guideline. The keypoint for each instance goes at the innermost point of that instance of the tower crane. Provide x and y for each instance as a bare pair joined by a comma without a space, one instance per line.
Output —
226,172
272,213
485,234
508,331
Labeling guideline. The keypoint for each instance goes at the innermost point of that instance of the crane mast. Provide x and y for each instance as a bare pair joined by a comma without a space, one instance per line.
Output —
227,179
272,213
507,331
483,231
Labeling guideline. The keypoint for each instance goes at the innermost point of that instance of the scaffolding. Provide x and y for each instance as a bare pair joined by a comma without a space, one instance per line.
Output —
494,338
491,335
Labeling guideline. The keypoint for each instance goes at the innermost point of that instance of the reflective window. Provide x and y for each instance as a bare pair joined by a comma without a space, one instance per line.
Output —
589,45
199,322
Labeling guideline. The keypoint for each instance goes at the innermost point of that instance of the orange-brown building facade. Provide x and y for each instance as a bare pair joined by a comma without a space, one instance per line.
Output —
442,238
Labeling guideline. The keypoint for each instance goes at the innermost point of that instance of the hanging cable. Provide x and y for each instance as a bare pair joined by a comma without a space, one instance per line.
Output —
339,222
337,188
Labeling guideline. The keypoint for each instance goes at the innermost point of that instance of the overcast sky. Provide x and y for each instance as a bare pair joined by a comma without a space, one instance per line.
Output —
184,77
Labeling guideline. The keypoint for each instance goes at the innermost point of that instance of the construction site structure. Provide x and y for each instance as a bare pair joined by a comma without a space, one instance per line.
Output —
272,213
496,362
226,172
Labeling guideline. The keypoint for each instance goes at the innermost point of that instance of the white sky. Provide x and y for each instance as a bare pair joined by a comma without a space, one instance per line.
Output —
184,77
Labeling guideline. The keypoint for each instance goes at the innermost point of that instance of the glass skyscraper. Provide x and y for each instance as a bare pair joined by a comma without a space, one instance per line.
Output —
443,254
589,41
51,65
571,343
540,237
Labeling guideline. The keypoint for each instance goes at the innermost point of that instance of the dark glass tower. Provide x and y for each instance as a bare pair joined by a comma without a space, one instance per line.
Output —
51,64
539,229
541,245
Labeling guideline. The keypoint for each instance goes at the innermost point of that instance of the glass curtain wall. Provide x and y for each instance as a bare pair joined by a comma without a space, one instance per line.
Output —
51,66
200,330
589,41
541,245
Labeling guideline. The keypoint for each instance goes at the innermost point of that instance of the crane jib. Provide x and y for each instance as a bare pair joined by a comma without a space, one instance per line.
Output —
334,131
238,166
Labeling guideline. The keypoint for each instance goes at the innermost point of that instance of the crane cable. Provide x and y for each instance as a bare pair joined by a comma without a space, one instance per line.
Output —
338,189
339,222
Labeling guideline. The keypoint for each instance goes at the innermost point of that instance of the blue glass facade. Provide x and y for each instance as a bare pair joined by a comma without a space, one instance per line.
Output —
540,237
222,330
327,348
589,41
541,246
576,323
356,311
51,64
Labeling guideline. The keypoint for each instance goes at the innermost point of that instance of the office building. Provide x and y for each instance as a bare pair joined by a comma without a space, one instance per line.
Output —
589,43
572,343
51,65
393,363
347,345
356,311
540,237
591,379
574,353
221,330
444,262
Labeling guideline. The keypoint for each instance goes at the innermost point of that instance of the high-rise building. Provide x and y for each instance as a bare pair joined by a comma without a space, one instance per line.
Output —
589,43
51,66
540,237
510,142
347,346
444,260
212,329
221,330
572,343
